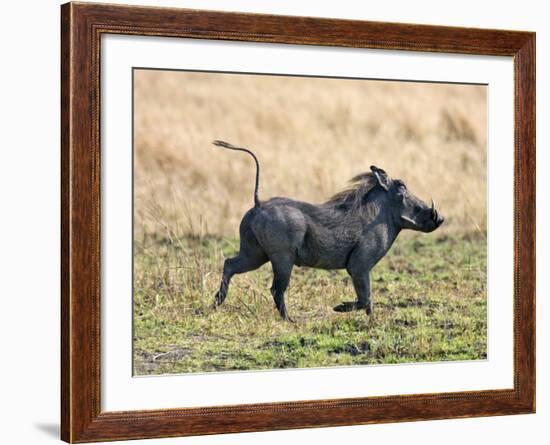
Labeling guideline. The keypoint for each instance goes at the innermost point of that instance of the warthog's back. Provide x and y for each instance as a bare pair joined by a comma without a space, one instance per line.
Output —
317,236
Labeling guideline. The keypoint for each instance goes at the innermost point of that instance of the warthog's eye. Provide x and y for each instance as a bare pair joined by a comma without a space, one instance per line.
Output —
400,188
400,184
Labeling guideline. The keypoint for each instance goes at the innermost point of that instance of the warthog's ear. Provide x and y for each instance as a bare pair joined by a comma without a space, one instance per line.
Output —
381,176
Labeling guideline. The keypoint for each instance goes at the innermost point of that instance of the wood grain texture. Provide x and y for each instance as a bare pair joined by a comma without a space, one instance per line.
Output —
81,29
65,226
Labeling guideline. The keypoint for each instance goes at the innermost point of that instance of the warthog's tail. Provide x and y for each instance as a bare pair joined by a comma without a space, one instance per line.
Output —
232,147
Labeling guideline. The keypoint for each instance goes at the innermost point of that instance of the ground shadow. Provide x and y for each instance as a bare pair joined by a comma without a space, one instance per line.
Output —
50,429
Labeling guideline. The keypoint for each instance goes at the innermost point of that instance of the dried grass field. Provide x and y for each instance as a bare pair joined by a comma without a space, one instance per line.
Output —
311,135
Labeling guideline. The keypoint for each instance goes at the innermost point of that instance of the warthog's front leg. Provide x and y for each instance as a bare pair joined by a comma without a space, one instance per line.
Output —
361,283
359,266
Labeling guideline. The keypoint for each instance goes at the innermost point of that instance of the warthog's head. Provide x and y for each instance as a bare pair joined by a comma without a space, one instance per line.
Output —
407,210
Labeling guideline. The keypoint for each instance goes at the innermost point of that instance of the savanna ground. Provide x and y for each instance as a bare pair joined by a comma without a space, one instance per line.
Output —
311,136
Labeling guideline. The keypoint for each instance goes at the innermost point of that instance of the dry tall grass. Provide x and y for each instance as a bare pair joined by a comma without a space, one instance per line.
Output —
311,135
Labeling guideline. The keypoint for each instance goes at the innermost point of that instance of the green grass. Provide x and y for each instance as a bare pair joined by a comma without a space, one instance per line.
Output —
429,297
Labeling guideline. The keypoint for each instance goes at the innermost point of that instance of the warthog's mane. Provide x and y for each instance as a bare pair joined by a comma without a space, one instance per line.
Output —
352,197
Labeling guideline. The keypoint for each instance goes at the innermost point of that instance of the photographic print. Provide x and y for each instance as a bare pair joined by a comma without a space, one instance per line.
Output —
295,222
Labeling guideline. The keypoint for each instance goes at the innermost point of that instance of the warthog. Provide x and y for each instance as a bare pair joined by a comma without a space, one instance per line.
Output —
353,230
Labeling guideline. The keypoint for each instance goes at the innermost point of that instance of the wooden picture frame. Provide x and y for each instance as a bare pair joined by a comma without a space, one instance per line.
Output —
82,25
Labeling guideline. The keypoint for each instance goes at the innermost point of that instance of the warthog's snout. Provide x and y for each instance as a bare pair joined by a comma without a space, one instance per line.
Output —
436,217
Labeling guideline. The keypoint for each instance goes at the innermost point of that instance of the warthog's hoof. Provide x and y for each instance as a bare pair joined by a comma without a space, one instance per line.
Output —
346,306
286,317
218,299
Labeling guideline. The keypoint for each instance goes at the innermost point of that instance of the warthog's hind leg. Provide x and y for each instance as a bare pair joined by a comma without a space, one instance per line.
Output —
240,264
282,269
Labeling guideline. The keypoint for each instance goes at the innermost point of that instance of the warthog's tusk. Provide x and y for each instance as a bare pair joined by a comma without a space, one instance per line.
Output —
434,211
409,220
